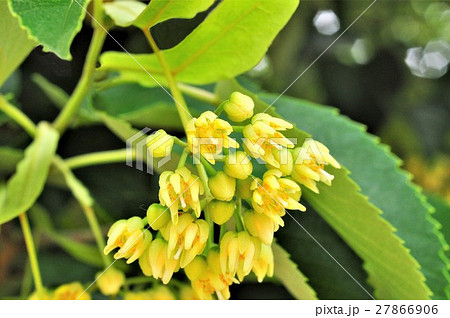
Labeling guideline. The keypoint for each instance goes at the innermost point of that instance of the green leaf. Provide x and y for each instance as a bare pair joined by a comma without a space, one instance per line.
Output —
393,272
232,39
124,12
377,172
290,276
442,214
14,43
158,11
53,24
27,183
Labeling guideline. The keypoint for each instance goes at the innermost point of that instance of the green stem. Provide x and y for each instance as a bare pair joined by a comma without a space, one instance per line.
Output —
32,254
204,178
238,216
200,94
209,168
85,83
183,158
178,98
180,142
18,116
219,109
97,158
238,128
95,227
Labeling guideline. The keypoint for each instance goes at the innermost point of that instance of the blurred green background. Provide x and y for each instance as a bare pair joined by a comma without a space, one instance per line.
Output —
388,71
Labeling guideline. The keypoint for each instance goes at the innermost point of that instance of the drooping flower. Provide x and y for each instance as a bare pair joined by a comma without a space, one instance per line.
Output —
188,293
264,265
274,194
239,107
156,262
186,239
71,291
208,135
285,160
310,162
110,281
263,135
260,226
180,190
238,252
207,278
130,237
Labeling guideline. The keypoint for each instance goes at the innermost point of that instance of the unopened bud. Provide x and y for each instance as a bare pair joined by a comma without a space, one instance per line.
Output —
157,216
243,188
159,144
238,165
222,186
220,211
239,107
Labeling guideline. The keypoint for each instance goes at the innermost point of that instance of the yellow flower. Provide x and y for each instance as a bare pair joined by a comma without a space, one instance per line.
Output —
156,262
131,238
274,194
238,165
263,136
159,144
238,252
208,135
285,160
186,239
310,161
239,107
222,186
72,291
207,277
263,265
220,211
260,226
157,216
180,190
111,281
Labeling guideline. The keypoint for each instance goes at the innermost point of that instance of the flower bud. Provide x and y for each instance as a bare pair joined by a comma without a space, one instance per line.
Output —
159,144
157,216
260,226
195,268
111,281
243,188
222,186
239,107
220,211
238,165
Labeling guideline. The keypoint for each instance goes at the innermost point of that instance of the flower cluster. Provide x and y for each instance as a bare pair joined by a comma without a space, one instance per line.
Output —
216,218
